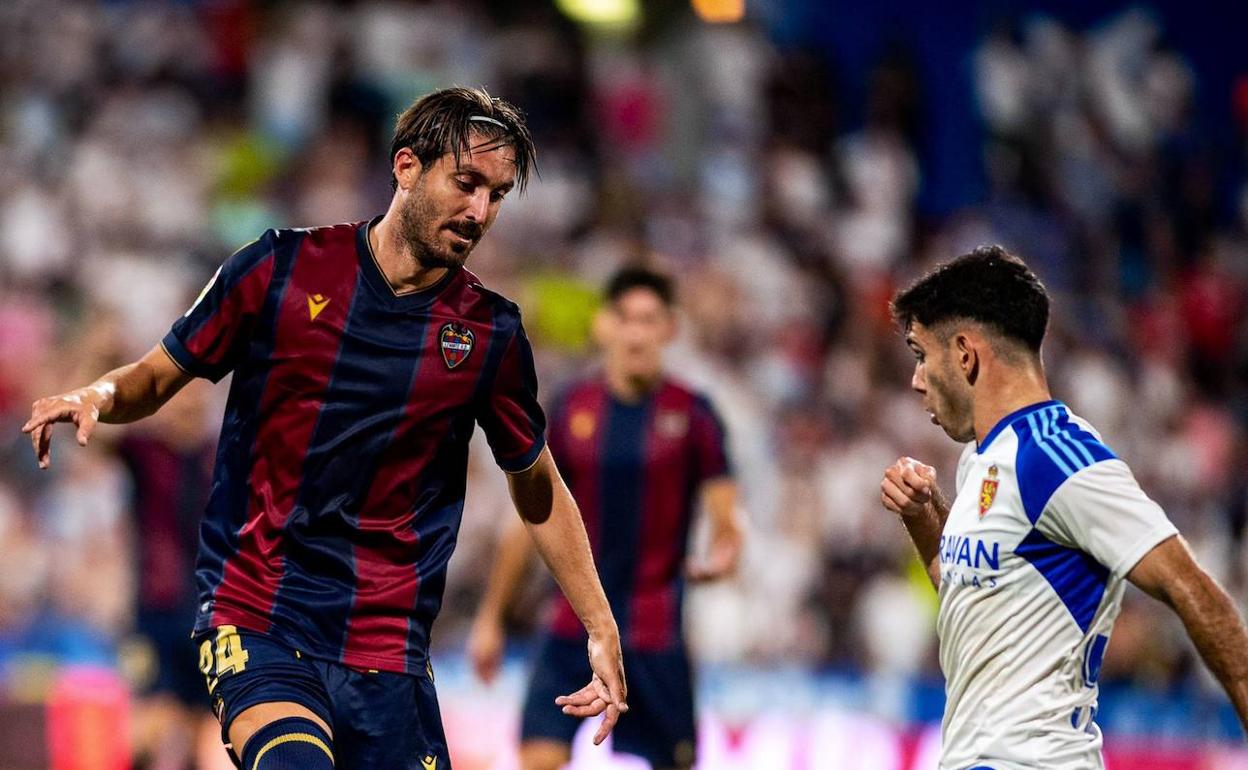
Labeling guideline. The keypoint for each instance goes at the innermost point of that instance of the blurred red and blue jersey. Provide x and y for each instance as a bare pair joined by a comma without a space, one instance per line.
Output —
340,470
635,470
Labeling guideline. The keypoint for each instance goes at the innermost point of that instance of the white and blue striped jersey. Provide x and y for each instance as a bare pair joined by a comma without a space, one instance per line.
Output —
1045,526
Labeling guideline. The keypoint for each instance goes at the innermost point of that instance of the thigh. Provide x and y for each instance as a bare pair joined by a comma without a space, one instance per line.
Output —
561,667
385,720
246,670
660,724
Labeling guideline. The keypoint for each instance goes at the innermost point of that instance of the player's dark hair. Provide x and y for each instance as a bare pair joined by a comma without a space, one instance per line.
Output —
990,286
629,278
444,121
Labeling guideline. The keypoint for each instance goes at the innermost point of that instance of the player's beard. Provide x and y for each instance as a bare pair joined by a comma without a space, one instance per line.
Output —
951,406
418,227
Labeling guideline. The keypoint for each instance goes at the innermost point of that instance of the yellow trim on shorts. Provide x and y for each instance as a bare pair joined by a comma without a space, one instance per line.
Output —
301,737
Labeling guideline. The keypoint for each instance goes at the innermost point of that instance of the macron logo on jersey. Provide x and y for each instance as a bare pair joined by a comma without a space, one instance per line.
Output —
316,303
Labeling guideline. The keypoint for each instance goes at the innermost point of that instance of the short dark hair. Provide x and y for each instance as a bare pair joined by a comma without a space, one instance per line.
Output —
990,286
629,278
443,122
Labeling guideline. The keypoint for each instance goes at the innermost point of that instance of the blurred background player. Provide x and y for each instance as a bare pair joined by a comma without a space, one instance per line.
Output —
640,453
362,356
1032,556
169,460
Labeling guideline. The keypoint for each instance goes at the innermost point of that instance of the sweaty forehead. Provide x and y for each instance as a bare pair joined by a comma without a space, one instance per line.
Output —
490,159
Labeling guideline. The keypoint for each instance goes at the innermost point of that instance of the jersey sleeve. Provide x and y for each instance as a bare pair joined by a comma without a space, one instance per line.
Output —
511,416
208,340
1102,511
710,442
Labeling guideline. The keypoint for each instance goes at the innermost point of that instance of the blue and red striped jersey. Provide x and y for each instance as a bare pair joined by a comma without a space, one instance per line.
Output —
635,470
340,470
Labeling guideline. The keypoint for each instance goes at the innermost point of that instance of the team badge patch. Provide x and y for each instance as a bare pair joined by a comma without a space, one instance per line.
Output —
457,343
988,491
672,424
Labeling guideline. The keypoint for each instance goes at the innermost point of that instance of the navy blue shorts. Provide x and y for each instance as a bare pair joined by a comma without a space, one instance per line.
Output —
659,726
377,719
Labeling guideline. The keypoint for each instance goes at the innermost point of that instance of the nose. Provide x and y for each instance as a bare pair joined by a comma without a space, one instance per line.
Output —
916,380
478,204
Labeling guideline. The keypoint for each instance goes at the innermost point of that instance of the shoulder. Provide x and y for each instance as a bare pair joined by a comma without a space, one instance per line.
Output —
468,297
1053,445
579,392
325,239
675,393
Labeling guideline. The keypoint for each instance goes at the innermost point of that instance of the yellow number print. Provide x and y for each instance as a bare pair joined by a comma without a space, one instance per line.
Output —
231,657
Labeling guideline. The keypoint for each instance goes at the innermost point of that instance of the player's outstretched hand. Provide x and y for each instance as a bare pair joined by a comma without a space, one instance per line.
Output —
908,487
606,690
81,407
485,648
720,560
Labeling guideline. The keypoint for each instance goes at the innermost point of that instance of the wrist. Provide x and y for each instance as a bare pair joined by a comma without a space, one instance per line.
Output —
601,627
100,395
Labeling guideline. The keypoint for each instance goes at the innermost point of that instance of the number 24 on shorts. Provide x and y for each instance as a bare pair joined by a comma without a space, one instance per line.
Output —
230,656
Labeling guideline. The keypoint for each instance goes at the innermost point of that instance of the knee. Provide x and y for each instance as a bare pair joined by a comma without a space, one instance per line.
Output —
291,743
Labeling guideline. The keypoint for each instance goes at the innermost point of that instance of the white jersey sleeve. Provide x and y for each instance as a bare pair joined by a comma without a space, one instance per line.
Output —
1102,511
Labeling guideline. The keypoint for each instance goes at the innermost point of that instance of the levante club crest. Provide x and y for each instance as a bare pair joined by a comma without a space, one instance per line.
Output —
456,344
988,491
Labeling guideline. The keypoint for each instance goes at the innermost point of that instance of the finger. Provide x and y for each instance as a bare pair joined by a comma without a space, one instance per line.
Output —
86,425
579,698
888,503
592,709
915,480
608,723
614,689
897,475
895,493
43,446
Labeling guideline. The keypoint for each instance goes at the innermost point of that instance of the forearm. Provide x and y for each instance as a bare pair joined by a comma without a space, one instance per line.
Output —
925,530
721,505
564,546
1218,632
551,517
511,562
138,389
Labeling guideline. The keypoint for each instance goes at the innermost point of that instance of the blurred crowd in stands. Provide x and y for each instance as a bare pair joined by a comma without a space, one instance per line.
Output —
141,143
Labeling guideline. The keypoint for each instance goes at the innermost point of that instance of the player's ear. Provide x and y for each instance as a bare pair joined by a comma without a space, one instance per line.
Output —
967,351
671,325
406,167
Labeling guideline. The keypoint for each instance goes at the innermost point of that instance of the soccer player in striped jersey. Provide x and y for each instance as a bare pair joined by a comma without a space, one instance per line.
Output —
1047,523
639,451
362,356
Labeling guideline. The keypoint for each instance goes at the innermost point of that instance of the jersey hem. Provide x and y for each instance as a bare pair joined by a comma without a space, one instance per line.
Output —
184,360
362,662
1141,548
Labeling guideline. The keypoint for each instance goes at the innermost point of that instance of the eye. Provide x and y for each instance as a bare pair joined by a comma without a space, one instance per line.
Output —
495,197
464,185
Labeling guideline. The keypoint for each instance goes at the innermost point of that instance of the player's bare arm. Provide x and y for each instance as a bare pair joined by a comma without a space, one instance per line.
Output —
727,533
909,489
126,394
552,519
1171,575
487,638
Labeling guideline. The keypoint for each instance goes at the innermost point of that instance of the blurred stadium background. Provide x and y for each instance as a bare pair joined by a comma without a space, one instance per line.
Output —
793,167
